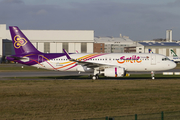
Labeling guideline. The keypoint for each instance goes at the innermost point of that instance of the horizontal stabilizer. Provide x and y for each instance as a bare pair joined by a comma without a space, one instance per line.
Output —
14,58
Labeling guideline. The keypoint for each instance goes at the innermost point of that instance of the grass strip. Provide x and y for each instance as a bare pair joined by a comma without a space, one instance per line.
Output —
80,99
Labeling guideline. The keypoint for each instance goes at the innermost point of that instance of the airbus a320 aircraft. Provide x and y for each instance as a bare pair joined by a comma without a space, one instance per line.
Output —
108,64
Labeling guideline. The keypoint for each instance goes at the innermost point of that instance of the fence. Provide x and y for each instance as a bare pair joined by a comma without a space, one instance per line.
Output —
154,116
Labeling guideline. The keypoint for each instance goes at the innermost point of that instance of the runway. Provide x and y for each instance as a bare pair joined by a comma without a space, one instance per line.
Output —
60,73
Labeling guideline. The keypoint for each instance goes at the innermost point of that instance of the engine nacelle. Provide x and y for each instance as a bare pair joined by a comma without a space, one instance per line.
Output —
115,72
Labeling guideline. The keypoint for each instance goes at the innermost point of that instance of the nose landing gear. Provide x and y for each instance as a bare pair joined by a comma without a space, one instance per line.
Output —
152,75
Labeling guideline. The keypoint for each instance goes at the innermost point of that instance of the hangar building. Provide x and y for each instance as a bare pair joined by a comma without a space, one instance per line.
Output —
50,41
115,44
159,47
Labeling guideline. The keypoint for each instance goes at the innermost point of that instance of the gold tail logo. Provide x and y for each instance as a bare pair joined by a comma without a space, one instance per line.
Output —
19,41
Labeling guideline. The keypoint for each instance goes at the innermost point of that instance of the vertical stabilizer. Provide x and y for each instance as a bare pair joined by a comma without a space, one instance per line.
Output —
20,42
150,51
173,54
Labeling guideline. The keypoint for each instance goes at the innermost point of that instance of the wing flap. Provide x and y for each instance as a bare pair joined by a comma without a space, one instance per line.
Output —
92,65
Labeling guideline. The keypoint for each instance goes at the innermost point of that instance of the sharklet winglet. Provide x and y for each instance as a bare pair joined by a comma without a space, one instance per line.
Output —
67,54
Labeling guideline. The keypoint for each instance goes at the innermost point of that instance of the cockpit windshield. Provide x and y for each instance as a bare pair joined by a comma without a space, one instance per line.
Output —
165,59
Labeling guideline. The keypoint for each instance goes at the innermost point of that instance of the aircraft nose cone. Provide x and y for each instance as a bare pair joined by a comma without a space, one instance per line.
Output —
173,65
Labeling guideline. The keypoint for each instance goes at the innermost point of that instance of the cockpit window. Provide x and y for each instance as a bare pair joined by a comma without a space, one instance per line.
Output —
165,59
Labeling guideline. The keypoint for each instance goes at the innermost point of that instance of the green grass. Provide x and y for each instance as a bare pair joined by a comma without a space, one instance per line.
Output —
80,99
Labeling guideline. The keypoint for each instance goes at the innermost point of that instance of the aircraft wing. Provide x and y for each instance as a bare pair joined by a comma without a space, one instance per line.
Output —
91,65
86,63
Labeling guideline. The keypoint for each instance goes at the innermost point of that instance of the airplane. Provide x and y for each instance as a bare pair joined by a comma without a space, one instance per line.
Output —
107,64
173,56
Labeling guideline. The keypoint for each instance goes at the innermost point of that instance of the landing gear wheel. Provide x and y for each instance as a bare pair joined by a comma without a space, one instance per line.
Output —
94,77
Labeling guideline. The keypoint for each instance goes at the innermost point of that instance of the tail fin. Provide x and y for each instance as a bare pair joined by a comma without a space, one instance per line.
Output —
150,51
77,51
173,54
20,42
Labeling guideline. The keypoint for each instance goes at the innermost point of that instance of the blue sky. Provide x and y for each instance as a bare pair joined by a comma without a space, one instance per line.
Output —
138,19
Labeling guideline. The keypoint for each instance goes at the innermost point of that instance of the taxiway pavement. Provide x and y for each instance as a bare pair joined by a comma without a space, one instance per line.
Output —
60,73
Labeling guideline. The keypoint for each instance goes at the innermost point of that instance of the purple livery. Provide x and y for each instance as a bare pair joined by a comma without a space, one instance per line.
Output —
23,48
21,43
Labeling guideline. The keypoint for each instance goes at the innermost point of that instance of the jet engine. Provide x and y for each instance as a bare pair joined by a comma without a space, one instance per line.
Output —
115,72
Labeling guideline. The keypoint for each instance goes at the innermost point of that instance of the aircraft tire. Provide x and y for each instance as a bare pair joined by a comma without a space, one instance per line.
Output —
94,77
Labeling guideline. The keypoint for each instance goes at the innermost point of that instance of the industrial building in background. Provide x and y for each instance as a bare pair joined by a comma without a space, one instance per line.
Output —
168,35
160,46
115,44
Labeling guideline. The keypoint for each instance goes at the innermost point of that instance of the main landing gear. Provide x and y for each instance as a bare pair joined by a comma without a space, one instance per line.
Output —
96,73
152,75
95,77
